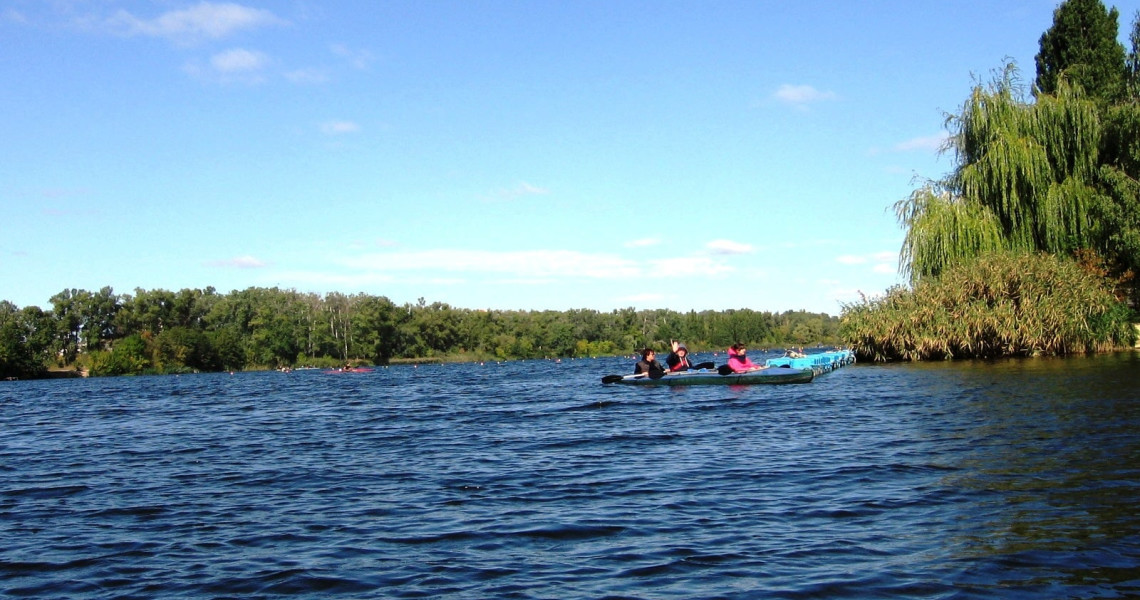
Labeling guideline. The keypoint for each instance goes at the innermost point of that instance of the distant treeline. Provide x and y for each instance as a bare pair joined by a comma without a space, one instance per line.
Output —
160,331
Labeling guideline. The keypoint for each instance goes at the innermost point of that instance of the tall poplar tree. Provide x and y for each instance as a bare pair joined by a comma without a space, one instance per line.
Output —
1132,63
1082,46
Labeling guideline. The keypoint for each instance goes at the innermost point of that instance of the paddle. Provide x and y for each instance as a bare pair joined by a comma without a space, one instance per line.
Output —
617,378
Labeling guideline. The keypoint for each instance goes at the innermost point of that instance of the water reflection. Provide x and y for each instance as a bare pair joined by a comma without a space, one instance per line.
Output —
1050,465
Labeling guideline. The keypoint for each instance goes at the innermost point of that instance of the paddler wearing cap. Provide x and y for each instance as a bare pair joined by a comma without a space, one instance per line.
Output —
678,359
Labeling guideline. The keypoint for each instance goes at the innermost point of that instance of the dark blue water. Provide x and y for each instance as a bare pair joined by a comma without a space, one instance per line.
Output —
532,480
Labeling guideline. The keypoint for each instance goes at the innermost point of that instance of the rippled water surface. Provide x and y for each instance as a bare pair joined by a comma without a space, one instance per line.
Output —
532,480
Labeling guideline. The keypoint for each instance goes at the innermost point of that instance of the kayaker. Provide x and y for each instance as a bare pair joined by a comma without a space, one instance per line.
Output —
648,364
738,359
678,359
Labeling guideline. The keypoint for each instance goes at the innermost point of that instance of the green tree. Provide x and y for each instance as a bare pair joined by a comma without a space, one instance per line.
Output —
1081,46
376,324
25,336
1132,62
85,320
229,347
179,348
128,356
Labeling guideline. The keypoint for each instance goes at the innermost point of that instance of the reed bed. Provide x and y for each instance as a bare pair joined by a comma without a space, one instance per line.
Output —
1002,304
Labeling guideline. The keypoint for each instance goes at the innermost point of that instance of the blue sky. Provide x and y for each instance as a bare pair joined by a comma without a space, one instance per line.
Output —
510,155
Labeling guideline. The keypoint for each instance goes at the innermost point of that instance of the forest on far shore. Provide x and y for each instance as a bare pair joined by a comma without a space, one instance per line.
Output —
159,331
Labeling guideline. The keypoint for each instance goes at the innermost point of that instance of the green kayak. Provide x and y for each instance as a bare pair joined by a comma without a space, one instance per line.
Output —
711,377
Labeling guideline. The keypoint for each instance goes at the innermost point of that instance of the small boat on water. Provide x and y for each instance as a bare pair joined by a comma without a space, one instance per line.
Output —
820,362
714,377
776,370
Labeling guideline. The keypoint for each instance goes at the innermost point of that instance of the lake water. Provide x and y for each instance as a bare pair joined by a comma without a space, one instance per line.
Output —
1012,479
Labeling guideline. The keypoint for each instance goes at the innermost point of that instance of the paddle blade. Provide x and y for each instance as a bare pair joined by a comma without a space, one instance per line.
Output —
611,378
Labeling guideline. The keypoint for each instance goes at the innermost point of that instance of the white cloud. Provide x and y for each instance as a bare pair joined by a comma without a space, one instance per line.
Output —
472,266
14,16
238,60
642,298
729,247
339,127
239,262
333,280
687,267
306,76
642,243
525,263
518,191
846,295
884,261
233,65
928,143
357,58
203,20
801,95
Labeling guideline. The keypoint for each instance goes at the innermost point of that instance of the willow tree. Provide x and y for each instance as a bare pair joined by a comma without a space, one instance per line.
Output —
1025,180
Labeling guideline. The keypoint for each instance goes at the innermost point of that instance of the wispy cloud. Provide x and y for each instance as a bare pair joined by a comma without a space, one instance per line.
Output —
686,267
239,262
801,95
57,193
642,298
927,143
521,190
525,263
306,76
238,60
72,212
846,295
12,15
728,247
339,127
205,20
642,243
883,262
236,65
355,57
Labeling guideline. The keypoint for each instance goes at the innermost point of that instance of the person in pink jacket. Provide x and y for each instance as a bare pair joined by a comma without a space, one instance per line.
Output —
738,360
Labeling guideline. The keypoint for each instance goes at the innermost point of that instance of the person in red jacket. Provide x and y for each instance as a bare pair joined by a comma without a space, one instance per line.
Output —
678,360
738,360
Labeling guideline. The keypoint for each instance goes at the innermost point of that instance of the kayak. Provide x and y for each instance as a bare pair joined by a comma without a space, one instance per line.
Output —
821,362
712,377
